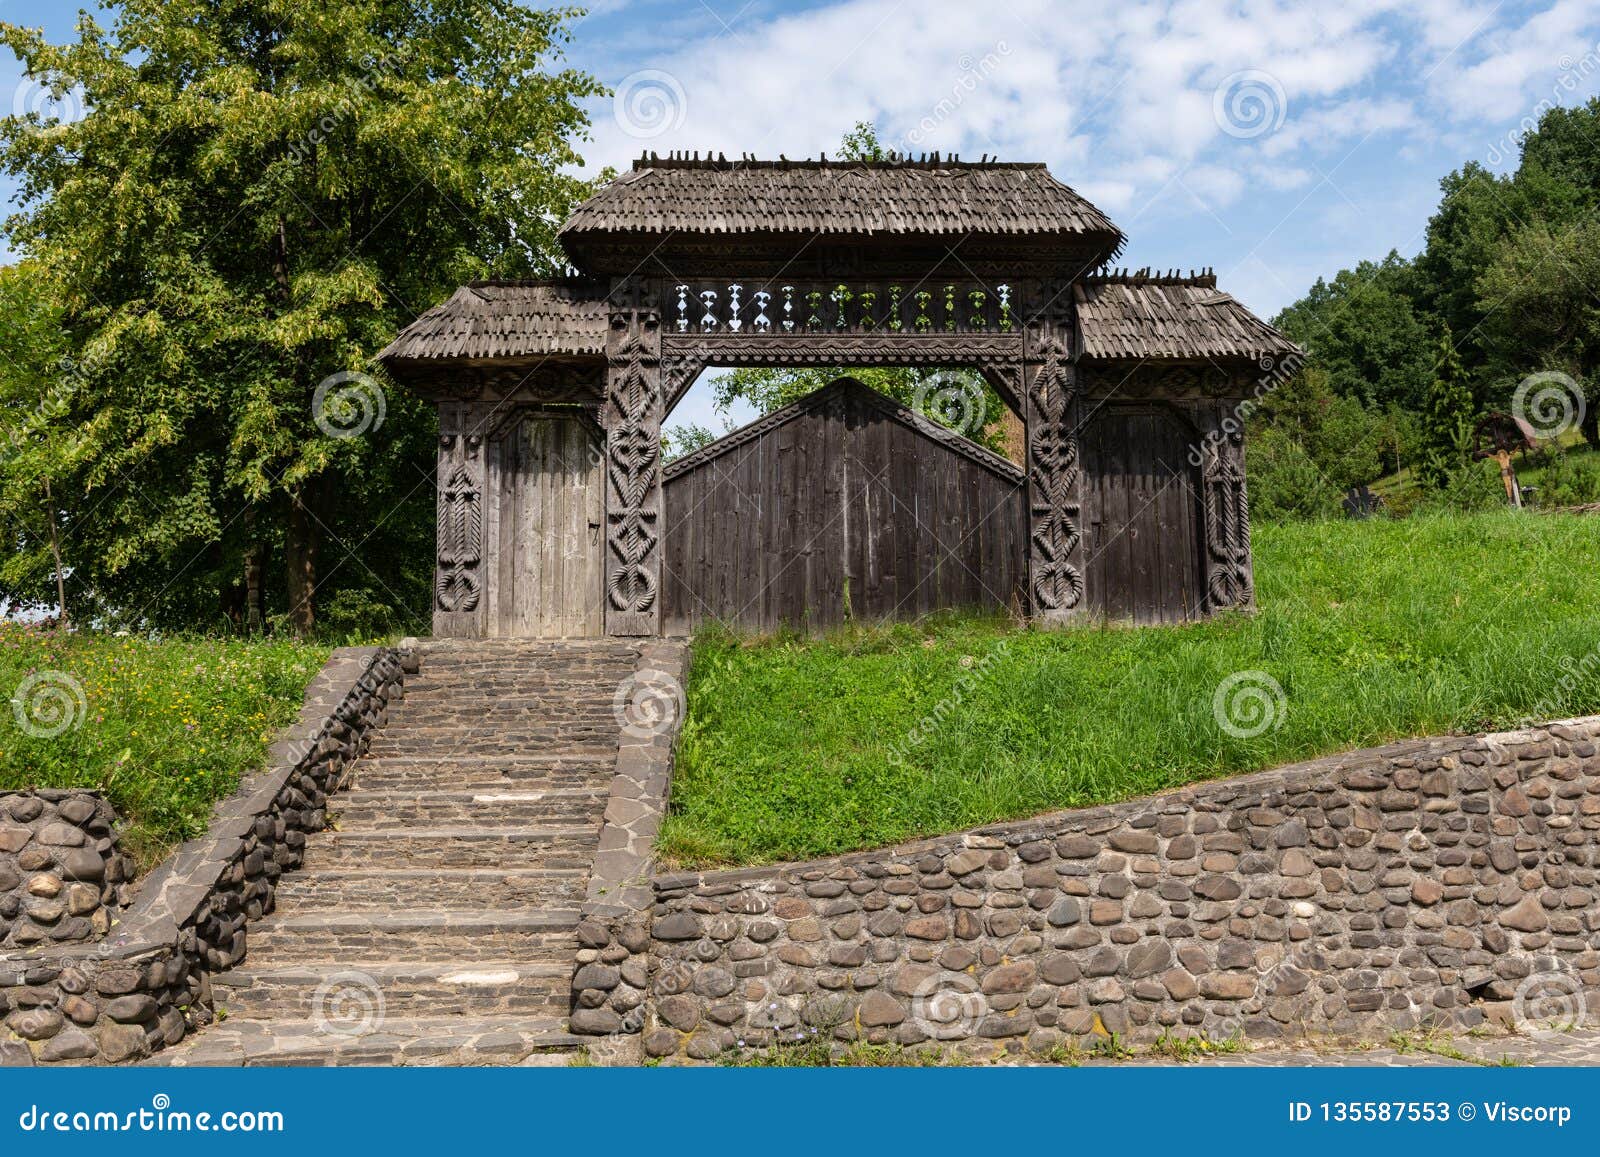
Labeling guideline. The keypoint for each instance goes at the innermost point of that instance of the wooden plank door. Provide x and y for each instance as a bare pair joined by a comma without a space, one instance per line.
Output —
1141,506
552,523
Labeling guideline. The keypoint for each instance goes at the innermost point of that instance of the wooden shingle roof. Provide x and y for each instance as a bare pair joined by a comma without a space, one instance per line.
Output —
508,319
752,203
1144,316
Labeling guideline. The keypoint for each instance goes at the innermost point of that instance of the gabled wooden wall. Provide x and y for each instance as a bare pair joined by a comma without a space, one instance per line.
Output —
844,504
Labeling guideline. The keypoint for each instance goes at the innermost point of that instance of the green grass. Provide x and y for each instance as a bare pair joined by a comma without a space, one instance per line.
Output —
164,728
1374,630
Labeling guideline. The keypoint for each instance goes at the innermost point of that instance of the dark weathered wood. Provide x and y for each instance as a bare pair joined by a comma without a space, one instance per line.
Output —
632,416
848,505
1142,510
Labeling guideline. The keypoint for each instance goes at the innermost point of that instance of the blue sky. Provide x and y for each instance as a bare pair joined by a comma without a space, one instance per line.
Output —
1275,141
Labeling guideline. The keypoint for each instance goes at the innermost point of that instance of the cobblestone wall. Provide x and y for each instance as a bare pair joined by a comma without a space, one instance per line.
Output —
61,872
148,983
1410,885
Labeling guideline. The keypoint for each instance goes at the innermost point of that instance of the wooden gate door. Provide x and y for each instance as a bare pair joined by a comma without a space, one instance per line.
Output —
1142,515
552,509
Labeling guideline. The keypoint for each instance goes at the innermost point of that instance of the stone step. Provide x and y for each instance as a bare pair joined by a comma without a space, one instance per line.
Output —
519,772
590,738
350,999
366,810
474,847
400,1041
380,889
543,937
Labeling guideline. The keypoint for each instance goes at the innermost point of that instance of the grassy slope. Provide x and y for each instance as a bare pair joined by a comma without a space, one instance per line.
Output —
166,727
1375,630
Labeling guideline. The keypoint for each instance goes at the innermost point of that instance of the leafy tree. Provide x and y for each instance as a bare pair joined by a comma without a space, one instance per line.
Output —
259,193
36,382
1343,440
1363,330
1541,312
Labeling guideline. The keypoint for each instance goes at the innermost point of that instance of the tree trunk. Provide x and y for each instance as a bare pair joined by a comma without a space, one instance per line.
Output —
300,554
55,551
254,613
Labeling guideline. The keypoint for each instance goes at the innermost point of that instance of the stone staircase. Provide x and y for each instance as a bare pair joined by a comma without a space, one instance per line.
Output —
435,921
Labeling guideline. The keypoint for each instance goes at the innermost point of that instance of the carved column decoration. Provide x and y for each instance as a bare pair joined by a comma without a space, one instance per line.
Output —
633,412
1055,566
459,549
1225,500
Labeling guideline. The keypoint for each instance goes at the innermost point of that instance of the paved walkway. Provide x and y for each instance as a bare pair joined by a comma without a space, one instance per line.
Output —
1577,1047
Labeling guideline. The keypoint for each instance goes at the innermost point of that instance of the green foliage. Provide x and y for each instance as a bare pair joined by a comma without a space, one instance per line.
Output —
1364,332
164,727
1507,268
1374,630
1284,480
258,195
1447,422
1569,479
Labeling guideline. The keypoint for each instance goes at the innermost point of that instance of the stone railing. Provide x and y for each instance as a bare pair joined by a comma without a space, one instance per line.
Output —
1410,885
148,983
62,875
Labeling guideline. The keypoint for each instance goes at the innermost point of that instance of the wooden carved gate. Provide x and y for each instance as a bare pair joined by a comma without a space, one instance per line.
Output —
552,505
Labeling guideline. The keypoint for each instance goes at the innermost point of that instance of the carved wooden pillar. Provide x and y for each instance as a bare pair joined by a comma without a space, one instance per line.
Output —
1225,503
459,560
1055,504
632,417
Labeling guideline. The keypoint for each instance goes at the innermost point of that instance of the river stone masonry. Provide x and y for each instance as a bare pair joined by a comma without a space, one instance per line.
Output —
148,984
62,875
1409,885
